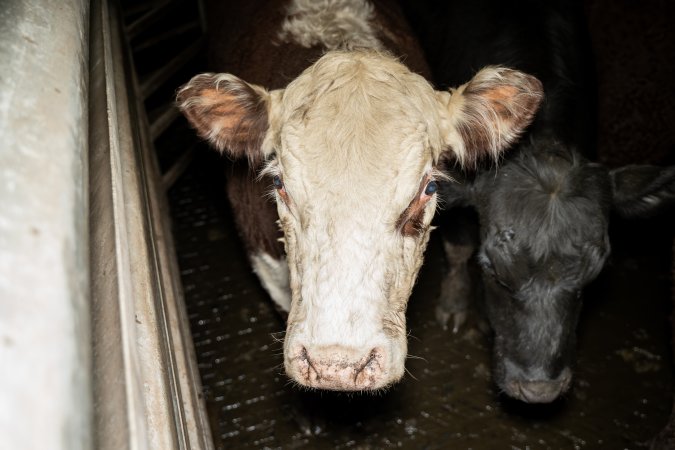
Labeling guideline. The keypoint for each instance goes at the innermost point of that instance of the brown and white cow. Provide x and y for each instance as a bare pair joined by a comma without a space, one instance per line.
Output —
347,139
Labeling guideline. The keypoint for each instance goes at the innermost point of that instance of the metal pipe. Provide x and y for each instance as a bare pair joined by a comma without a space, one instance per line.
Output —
45,344
145,379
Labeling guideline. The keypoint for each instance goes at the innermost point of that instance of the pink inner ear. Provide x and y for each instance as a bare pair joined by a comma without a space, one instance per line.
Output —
231,115
498,96
216,114
223,107
499,105
501,93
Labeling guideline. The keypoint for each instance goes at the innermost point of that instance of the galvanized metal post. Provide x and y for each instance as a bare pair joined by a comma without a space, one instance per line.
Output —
45,344
147,390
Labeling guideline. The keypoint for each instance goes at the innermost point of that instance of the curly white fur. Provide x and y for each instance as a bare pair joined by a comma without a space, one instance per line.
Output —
331,24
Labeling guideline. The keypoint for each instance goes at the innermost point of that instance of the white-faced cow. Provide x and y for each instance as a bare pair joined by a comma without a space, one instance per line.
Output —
348,145
544,210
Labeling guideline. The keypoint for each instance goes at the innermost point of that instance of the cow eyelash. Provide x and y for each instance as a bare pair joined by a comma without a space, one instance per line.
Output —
280,189
272,170
434,177
431,188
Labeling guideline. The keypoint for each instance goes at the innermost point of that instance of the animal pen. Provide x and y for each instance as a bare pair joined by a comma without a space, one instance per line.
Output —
131,318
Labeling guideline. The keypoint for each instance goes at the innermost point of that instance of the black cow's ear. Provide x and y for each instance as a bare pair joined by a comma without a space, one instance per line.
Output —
643,190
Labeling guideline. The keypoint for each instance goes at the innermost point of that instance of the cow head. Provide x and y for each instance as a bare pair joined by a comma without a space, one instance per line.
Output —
351,147
544,236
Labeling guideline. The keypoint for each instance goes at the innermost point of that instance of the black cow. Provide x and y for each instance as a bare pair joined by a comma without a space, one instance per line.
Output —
544,210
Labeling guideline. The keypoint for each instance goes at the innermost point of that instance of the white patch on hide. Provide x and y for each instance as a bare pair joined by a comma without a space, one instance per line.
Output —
273,274
332,24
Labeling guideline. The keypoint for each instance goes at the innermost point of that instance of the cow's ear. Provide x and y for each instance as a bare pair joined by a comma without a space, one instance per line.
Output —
229,113
487,114
643,190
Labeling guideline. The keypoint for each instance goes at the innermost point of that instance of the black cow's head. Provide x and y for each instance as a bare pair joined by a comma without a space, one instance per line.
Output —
544,235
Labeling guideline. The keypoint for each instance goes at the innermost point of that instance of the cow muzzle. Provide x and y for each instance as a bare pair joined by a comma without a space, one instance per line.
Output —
539,389
339,368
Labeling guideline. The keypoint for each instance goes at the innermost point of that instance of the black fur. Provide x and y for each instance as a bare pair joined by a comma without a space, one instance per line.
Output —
543,211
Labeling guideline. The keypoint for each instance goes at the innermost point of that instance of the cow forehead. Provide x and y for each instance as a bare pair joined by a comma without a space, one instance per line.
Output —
359,122
362,100
342,71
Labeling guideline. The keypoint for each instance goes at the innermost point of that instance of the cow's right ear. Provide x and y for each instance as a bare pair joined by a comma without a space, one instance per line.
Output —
229,113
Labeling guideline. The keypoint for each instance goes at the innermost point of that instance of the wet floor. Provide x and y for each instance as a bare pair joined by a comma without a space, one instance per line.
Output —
623,384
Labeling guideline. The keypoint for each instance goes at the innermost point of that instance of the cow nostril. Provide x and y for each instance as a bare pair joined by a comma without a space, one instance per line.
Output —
565,379
374,354
372,358
370,363
304,358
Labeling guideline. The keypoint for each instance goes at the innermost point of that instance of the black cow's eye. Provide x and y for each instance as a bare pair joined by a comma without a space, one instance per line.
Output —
431,188
278,184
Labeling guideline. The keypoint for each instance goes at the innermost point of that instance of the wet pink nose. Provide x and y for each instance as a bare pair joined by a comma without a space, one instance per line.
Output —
338,368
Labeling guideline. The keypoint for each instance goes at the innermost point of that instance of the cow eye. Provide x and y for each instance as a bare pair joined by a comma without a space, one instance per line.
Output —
281,189
431,188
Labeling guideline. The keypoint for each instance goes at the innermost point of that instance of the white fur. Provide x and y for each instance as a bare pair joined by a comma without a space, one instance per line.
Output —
273,274
331,24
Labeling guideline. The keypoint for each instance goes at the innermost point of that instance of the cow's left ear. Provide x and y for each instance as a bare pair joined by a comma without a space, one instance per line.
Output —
487,114
229,113
642,190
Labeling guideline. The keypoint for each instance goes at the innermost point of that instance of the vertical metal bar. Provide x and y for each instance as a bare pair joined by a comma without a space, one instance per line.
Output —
118,382
189,412
45,343
147,390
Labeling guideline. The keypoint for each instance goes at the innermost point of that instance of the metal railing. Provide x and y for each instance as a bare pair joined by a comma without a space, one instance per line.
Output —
45,343
95,349
143,324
